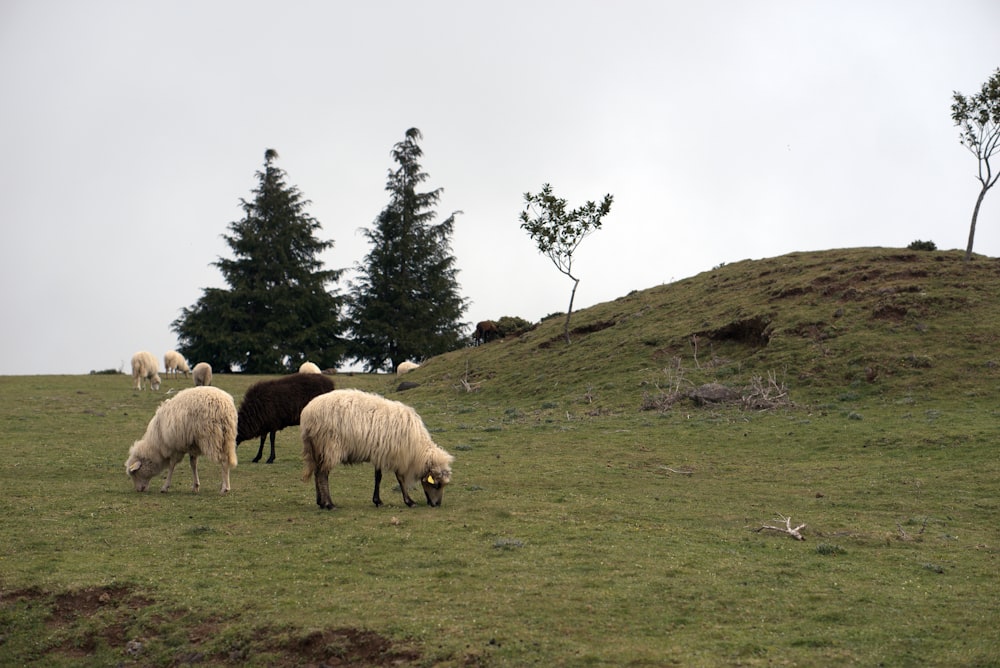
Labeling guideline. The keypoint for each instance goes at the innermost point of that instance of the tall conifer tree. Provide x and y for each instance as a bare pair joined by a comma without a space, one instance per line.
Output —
406,304
277,311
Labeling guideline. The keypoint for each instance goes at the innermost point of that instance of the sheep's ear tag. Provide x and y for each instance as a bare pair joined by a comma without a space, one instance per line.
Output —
135,467
430,478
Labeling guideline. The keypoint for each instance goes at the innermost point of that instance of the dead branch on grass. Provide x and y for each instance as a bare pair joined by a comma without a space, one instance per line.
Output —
905,536
680,471
464,381
665,398
765,395
694,344
787,529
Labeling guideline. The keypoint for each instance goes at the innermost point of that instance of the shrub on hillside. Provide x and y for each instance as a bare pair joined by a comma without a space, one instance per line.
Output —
922,245
510,326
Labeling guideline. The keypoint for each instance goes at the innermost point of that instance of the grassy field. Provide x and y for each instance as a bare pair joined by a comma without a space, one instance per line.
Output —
597,516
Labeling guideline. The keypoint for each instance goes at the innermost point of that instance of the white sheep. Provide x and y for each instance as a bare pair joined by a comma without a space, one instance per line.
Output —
174,363
196,421
202,374
351,426
406,367
144,368
309,367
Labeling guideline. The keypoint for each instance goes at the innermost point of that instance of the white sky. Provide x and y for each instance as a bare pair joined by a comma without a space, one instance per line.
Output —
725,130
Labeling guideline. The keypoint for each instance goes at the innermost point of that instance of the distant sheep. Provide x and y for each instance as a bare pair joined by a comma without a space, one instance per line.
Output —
271,405
144,368
351,426
406,367
202,374
197,421
486,331
174,362
309,367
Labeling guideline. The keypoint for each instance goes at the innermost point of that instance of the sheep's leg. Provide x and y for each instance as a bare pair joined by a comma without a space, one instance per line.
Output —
196,484
377,496
170,472
225,479
323,499
406,494
260,450
270,460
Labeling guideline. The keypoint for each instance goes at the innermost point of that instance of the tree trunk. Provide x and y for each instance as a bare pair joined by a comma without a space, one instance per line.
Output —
569,311
972,227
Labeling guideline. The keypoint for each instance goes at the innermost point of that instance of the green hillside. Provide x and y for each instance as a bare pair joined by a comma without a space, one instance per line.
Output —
871,320
604,510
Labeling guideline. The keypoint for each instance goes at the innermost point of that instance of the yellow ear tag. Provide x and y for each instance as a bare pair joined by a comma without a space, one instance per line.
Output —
430,479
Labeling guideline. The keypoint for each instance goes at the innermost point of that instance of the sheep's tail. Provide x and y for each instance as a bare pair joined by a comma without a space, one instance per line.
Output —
308,457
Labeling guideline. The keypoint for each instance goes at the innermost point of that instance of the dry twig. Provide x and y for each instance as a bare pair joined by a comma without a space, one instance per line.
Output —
794,533
465,384
765,395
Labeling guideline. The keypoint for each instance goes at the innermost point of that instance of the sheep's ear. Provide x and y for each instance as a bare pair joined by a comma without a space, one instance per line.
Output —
134,467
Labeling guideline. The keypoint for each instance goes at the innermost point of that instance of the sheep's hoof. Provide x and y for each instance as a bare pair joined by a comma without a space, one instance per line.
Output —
255,460
270,461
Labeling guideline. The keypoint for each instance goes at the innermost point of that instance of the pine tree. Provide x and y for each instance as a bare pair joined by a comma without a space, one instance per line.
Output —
277,311
406,304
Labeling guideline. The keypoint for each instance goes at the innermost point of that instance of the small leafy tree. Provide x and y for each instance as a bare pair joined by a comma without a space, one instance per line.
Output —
278,311
978,116
559,232
406,304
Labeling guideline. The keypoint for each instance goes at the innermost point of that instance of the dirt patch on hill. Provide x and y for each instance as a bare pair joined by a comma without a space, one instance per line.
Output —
754,332
83,622
576,332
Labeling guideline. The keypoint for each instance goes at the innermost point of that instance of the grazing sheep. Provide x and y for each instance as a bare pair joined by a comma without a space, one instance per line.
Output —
197,421
144,368
309,367
406,367
351,426
271,405
486,331
202,374
174,362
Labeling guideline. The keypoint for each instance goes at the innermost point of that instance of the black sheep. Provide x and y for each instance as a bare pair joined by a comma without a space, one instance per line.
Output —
271,405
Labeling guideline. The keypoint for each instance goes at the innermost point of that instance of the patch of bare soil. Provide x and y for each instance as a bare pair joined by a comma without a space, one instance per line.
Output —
347,647
98,617
582,330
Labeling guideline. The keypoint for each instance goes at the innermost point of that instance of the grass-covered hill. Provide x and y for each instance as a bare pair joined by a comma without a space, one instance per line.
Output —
863,320
596,515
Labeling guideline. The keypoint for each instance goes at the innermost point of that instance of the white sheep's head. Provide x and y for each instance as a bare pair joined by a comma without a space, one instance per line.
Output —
433,483
154,382
141,471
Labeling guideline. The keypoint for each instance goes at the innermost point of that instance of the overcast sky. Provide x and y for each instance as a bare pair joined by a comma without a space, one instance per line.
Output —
725,130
